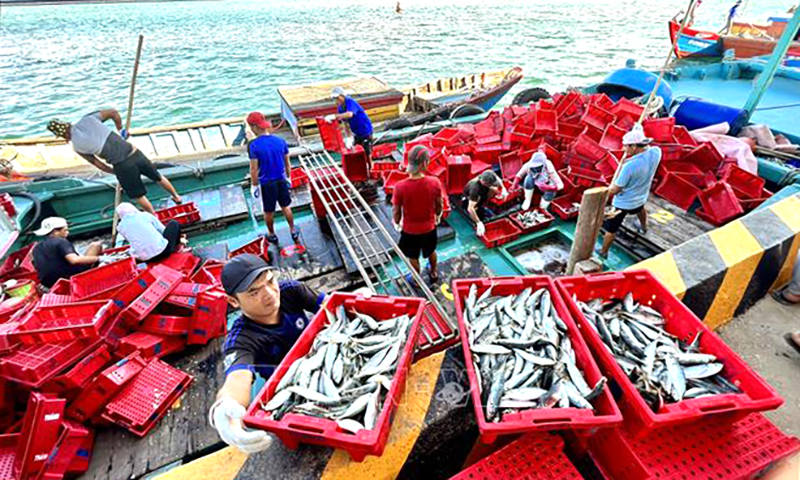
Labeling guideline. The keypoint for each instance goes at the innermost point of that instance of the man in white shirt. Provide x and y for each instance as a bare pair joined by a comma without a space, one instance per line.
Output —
150,240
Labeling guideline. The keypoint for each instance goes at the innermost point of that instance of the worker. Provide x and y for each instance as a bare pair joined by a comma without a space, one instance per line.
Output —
272,319
632,187
789,295
112,153
397,9
538,176
357,120
55,257
477,192
413,215
269,174
150,240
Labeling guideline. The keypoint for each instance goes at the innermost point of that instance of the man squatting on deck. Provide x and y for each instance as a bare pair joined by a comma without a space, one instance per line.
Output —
477,192
269,174
273,317
55,257
95,143
357,120
418,206
632,187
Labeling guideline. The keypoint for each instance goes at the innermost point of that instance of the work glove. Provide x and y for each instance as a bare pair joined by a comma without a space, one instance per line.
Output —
255,192
124,133
226,417
106,258
503,192
348,143
398,227
480,229
330,118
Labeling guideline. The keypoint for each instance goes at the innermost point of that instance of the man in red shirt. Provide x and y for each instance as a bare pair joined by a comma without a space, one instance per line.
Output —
418,205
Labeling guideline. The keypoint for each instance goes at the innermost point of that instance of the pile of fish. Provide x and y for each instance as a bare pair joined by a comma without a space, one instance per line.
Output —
522,354
346,374
531,218
575,207
663,368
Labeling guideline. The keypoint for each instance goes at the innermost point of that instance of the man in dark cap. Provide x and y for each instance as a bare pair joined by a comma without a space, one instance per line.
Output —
477,192
273,317
112,153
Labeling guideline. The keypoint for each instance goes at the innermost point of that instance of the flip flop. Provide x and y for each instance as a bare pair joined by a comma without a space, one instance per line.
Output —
433,278
788,338
778,296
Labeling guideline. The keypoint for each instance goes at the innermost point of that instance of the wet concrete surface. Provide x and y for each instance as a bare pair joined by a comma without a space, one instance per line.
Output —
548,256
757,336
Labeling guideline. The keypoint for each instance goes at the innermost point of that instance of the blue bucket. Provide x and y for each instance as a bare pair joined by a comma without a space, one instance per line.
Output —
694,113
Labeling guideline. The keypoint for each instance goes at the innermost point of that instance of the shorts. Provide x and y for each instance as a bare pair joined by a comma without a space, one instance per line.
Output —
529,184
275,192
129,174
412,244
366,144
612,224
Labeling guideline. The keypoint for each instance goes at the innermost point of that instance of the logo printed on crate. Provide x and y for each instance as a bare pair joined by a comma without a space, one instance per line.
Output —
52,417
41,457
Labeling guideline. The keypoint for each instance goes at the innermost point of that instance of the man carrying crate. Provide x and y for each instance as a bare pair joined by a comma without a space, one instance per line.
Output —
357,120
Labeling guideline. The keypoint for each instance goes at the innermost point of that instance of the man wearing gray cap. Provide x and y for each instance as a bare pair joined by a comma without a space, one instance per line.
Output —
357,119
412,200
477,192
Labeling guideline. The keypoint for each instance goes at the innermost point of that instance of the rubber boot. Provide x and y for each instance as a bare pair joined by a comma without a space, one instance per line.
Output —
544,204
528,197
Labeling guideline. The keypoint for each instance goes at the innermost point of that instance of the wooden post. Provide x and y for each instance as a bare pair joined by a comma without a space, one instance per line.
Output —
118,190
590,219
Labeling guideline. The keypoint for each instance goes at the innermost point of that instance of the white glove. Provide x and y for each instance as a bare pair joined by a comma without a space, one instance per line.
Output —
503,192
255,192
365,292
480,229
106,258
226,416
330,118
348,143
398,227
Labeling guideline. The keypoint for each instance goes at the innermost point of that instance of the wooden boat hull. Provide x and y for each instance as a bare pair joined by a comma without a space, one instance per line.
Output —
755,47
694,43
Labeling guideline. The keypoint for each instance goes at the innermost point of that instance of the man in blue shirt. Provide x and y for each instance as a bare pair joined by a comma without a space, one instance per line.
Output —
357,119
269,174
632,186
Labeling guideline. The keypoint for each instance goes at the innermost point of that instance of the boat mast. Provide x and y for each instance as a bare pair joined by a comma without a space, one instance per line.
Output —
765,79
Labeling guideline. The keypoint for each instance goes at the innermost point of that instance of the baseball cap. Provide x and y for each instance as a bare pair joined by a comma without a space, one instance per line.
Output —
257,119
490,179
337,92
417,157
49,224
241,271
636,137
58,127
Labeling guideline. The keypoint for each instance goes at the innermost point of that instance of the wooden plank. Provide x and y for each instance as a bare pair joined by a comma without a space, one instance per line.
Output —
668,225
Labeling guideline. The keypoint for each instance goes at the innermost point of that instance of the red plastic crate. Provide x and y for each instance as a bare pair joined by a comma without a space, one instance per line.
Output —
459,170
32,365
751,203
680,321
546,122
541,226
328,183
597,117
80,374
568,104
383,150
585,146
104,280
607,165
20,299
331,135
673,153
166,280
720,202
150,345
8,342
70,443
487,139
210,273
446,137
562,206
568,132
210,317
531,457
8,453
40,431
704,451
703,215
165,324
701,181
258,247
612,137
706,156
184,262
743,181
103,387
62,323
521,134
512,197
627,108
682,136
185,214
145,400
20,261
500,232
355,164
7,203
606,413
510,165
393,179
659,129
79,463
435,333
489,153
298,177
677,191
293,429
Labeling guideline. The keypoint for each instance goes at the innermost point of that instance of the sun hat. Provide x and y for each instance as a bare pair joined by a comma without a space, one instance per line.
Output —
417,158
636,137
337,92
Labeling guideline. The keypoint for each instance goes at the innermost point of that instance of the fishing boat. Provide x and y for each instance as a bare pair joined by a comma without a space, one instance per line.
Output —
693,43
300,105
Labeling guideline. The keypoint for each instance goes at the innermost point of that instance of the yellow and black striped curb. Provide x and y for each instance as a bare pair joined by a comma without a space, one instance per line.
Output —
724,272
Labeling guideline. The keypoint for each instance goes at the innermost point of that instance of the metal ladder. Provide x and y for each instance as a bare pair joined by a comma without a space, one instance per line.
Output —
371,246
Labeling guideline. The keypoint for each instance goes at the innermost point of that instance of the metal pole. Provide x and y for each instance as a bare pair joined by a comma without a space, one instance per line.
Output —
765,79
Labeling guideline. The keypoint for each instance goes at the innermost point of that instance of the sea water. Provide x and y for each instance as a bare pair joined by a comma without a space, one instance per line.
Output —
206,60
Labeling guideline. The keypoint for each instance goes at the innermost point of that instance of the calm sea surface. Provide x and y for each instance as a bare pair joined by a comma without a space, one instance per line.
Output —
205,60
